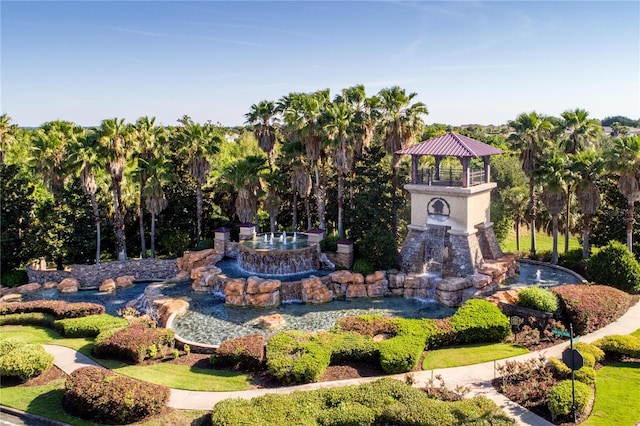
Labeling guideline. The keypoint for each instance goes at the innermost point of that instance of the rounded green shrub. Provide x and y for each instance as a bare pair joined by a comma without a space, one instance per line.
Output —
297,357
347,414
25,362
616,266
619,345
560,398
378,247
586,375
363,267
8,344
538,298
478,321
589,348
89,326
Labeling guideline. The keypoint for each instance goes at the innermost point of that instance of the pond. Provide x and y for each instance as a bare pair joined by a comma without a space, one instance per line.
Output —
543,275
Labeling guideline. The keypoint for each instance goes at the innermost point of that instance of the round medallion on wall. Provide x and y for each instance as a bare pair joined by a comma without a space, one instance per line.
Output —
438,209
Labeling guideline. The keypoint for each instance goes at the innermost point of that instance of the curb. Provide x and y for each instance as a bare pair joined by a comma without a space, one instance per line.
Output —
28,416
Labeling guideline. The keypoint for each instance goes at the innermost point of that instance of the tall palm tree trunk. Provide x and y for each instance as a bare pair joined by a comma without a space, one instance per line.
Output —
319,197
585,235
532,214
143,242
554,254
118,222
630,221
199,211
567,219
294,213
96,221
340,204
394,204
153,235
307,207
517,235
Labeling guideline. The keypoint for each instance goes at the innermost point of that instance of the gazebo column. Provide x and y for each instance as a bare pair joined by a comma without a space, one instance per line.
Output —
414,169
466,178
438,160
487,169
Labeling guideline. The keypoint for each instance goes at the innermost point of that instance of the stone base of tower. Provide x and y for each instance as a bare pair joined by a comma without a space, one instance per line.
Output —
488,241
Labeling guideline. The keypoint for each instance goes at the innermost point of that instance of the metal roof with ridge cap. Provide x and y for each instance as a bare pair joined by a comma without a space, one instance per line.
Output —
451,145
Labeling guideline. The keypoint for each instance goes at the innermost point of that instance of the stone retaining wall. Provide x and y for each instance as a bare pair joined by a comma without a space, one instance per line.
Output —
91,276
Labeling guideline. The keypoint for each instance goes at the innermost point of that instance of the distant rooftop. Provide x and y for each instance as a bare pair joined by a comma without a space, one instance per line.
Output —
451,145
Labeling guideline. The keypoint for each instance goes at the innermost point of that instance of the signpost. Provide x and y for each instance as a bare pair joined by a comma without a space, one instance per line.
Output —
574,360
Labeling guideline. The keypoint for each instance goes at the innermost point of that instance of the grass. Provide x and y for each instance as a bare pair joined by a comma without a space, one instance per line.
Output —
617,396
470,354
636,333
544,242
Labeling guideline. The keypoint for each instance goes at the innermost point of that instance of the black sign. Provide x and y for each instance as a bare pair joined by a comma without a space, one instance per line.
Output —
573,359
438,209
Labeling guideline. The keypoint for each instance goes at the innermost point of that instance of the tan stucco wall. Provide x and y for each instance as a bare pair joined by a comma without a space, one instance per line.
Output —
468,206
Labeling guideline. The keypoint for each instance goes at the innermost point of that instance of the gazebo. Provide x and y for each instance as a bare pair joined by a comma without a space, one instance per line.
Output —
451,232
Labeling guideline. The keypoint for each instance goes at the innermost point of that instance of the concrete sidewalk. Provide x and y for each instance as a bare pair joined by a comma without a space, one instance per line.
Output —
478,377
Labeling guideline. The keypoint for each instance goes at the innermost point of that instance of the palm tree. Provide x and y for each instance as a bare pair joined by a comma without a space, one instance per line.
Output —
401,122
553,176
114,139
338,122
532,137
243,176
159,174
580,132
147,139
198,143
84,156
624,159
7,135
263,116
586,168
513,199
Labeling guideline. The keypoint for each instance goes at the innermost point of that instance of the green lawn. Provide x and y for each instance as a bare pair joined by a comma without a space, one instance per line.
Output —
636,333
470,354
544,242
617,396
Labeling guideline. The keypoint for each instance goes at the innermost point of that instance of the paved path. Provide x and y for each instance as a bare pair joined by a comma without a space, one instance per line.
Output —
478,377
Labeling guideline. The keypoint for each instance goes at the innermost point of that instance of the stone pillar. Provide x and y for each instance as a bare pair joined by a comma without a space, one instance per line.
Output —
315,236
247,231
220,240
488,241
345,254
465,257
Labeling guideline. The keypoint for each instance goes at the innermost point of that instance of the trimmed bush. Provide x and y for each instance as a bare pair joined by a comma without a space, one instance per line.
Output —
403,352
591,307
352,347
586,374
560,398
385,401
25,362
616,266
31,318
9,344
478,321
133,343
379,248
297,357
89,326
590,349
619,345
245,352
58,308
538,298
102,396
363,267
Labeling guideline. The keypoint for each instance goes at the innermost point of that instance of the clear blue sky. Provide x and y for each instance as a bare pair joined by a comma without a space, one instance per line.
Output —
469,62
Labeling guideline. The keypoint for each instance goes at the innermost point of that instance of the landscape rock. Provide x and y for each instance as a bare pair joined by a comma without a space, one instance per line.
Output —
177,306
314,291
68,285
107,285
124,281
28,288
263,300
356,290
49,284
271,322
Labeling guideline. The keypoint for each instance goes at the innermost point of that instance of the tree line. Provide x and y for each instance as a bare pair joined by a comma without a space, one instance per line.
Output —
306,160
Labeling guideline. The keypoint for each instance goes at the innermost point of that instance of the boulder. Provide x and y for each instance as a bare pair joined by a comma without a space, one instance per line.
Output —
375,277
107,285
452,284
479,280
263,300
356,290
124,281
313,291
234,299
341,277
377,289
271,322
262,286
68,285
235,287
177,306
49,284
28,288
195,259
396,280
11,297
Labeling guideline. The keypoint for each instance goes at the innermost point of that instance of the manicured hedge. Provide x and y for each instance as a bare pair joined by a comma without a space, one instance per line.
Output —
616,266
298,357
538,298
403,352
591,307
385,401
349,347
24,361
89,326
135,343
560,398
590,349
28,318
102,396
245,352
58,308
368,325
478,321
619,345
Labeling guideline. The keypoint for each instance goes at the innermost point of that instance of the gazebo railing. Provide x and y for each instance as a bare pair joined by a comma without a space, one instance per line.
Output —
449,176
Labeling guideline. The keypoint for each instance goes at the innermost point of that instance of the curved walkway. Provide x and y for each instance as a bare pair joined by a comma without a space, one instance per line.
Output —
478,377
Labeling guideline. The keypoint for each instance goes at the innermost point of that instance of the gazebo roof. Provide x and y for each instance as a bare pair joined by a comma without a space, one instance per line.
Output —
451,145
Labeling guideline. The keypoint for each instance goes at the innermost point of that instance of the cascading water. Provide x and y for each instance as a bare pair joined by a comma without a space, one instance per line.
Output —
277,256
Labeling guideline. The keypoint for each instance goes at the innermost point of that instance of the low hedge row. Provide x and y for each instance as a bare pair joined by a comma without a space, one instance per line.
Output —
58,308
402,352
135,343
89,326
28,318
616,346
21,360
245,352
102,396
591,307
539,299
298,357
478,321
385,401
